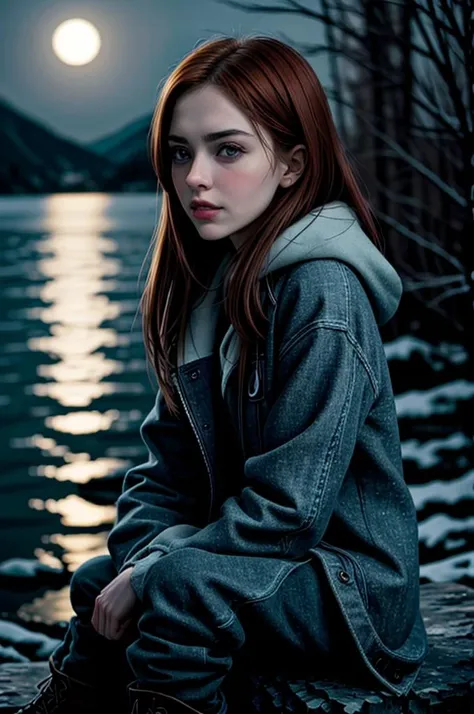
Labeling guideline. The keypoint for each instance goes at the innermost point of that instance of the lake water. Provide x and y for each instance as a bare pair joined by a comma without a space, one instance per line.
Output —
74,391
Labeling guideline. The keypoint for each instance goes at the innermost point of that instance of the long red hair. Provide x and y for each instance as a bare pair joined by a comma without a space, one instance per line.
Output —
277,89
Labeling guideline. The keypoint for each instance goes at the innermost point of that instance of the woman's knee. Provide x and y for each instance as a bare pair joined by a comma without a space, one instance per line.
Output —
89,579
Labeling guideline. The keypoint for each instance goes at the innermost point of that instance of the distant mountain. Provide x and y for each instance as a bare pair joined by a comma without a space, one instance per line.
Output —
125,144
127,148
33,159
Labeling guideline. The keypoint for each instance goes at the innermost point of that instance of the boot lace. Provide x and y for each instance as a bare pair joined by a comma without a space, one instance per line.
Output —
151,709
52,693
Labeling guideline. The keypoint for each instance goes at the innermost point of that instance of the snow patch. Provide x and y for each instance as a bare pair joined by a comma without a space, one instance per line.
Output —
17,644
444,491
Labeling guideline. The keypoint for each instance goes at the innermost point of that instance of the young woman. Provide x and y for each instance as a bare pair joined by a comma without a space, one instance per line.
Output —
271,520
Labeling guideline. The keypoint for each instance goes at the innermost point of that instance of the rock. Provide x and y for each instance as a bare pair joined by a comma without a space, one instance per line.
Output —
18,683
445,683
26,568
17,644
21,573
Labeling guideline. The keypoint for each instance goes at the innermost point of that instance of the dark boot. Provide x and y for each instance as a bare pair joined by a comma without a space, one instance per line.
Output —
148,701
59,694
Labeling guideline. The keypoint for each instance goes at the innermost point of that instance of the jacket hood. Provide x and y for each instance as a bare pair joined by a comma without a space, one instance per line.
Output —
330,231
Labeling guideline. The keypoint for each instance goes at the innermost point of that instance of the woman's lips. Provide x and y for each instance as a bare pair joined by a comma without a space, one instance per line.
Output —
204,212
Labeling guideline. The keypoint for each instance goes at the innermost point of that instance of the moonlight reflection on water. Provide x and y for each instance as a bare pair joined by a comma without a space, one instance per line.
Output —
75,511
75,386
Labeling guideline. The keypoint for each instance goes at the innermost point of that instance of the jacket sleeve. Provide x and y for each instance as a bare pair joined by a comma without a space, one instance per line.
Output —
158,494
323,396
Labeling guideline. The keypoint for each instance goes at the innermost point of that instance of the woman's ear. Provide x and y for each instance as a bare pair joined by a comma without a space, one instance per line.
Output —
295,161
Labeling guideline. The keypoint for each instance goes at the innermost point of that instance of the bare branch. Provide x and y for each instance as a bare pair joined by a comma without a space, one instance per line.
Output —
445,69
411,160
408,202
449,293
320,17
312,50
432,281
449,14
451,121
431,246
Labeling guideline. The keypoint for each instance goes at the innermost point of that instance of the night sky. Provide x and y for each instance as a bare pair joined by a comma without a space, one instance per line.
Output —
142,40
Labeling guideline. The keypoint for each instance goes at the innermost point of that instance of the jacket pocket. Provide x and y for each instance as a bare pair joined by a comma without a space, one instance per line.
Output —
358,570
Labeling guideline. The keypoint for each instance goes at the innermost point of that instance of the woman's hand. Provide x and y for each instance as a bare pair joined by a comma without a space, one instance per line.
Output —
113,607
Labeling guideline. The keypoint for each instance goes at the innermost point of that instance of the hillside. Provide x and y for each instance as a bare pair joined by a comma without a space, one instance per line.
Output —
33,159
127,149
124,145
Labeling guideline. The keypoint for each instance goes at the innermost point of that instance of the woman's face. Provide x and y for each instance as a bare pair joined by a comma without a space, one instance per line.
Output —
232,172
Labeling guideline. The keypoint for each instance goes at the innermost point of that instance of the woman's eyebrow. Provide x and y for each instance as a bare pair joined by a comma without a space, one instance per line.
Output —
210,137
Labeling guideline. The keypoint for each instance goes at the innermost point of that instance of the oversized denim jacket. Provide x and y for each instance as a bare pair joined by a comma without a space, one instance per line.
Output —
319,457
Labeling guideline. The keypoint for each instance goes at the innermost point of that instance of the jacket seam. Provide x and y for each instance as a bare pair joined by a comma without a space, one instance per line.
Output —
331,450
306,329
332,325
335,440
364,514
365,362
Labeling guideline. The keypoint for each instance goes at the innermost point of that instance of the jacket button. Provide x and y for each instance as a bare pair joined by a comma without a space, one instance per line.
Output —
343,576
195,375
205,426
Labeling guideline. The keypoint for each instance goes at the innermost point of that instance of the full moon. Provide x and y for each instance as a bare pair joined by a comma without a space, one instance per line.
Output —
76,41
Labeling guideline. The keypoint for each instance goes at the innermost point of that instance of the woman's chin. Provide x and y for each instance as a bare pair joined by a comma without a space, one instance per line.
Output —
212,232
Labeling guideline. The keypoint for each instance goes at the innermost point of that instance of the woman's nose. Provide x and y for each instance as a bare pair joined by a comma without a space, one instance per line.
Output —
199,173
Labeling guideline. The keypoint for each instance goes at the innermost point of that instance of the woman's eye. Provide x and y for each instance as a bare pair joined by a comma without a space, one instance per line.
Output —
174,150
232,147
